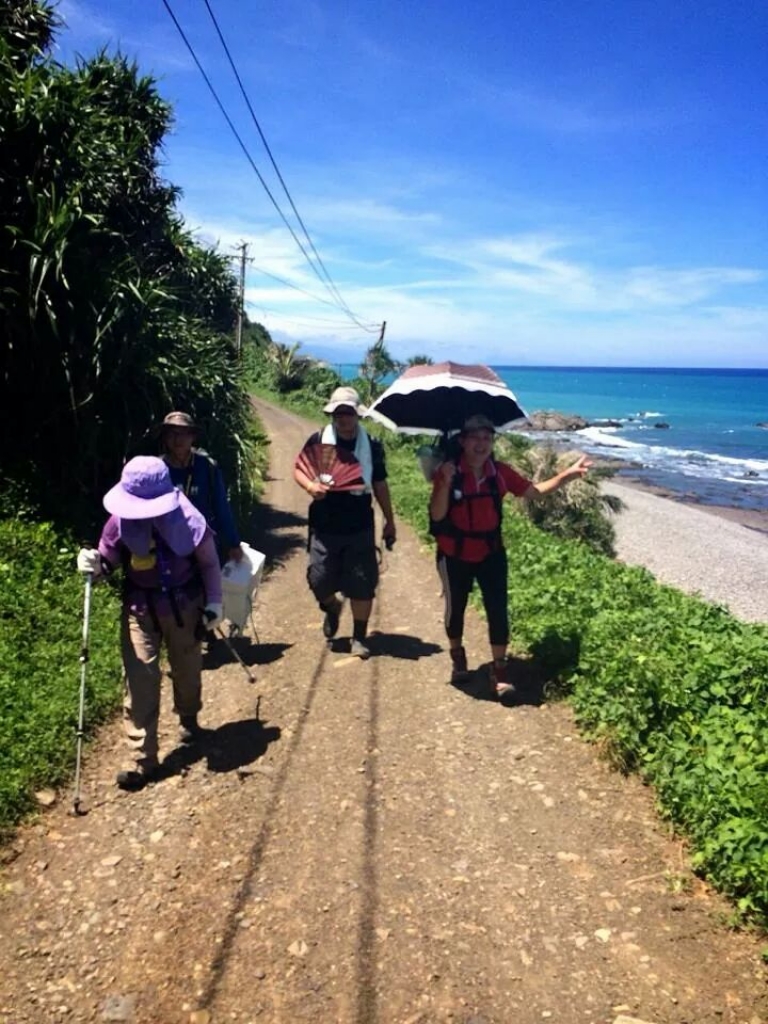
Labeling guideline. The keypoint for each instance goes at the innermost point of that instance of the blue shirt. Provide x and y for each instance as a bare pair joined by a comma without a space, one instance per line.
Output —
203,484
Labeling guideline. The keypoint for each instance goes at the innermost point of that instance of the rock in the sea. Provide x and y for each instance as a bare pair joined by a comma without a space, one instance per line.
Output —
763,425
542,420
661,426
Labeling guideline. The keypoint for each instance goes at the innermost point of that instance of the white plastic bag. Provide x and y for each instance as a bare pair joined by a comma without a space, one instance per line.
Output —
240,581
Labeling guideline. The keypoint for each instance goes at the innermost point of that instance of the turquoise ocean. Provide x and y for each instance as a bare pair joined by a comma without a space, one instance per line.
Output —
712,449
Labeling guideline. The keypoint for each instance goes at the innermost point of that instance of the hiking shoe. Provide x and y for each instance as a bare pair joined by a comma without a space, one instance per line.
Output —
135,779
359,650
460,670
190,730
501,680
331,620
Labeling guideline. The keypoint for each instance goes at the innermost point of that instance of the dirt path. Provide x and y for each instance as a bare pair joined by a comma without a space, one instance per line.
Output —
361,842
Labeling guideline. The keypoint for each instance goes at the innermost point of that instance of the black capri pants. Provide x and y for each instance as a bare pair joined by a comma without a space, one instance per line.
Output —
458,578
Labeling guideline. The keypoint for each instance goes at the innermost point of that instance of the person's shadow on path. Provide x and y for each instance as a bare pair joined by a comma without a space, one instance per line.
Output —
231,747
528,676
276,532
536,678
252,652
390,645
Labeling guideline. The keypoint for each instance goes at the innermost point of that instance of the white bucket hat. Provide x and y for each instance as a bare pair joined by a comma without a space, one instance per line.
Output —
345,396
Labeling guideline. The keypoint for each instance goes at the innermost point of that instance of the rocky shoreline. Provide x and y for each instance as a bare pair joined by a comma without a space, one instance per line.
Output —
630,474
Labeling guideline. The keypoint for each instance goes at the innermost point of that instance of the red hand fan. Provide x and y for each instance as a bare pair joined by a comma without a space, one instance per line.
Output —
337,469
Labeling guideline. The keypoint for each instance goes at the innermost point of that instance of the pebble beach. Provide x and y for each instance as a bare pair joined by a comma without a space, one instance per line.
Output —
717,552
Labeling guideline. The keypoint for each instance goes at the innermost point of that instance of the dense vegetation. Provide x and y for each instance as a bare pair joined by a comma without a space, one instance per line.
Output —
41,611
111,314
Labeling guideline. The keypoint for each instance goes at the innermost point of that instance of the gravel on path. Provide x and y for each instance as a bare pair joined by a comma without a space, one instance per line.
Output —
363,843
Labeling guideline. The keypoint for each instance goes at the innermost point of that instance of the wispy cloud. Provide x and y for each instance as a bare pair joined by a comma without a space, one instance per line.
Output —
85,21
534,266
161,48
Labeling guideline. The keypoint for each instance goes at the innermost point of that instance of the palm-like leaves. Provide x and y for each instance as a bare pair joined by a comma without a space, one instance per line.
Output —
579,510
111,312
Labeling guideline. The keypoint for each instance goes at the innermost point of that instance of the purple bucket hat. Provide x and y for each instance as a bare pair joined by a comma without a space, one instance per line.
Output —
145,490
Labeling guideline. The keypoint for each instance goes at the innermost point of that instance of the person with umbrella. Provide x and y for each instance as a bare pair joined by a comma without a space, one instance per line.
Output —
342,546
465,516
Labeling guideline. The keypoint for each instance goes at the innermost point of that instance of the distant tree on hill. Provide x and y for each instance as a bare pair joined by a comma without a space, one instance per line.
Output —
256,334
420,361
376,365
289,366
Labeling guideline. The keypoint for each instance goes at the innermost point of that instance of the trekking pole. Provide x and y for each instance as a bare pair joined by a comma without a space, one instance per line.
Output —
76,804
231,647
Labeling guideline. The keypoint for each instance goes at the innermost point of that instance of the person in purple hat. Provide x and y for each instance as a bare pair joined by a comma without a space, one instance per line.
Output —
172,586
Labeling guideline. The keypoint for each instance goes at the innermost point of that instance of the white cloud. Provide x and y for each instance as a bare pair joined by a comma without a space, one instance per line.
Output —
532,298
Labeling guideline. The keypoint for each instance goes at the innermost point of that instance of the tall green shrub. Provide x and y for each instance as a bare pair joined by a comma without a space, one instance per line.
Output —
110,311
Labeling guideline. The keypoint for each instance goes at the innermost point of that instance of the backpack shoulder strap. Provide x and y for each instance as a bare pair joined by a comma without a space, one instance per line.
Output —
212,465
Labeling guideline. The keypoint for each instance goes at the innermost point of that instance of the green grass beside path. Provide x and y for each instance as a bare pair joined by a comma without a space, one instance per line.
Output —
41,623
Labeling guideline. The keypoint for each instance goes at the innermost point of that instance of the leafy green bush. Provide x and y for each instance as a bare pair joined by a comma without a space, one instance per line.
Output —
111,313
41,621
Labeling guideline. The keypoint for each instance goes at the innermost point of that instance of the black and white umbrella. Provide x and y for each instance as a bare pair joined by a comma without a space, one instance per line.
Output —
438,398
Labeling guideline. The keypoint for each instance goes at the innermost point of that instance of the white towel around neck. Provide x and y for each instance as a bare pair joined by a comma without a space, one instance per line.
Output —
363,454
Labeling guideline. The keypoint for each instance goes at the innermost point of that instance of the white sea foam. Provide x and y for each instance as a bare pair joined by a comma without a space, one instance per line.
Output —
688,462
606,437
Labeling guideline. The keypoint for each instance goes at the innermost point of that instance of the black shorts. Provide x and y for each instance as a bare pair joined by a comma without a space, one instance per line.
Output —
346,563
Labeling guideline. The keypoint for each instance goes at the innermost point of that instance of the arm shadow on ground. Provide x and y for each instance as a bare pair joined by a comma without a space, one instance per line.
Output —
275,532
390,645
536,678
250,651
232,747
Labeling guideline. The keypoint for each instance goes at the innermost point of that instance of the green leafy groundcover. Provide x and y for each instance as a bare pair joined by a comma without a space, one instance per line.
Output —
669,685
41,621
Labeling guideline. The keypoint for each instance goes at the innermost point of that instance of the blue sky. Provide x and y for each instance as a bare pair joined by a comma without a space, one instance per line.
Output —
540,182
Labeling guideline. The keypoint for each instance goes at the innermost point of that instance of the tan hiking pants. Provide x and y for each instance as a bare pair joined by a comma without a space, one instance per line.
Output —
141,644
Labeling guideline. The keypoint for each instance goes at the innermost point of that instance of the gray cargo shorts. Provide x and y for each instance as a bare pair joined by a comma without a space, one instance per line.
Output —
345,563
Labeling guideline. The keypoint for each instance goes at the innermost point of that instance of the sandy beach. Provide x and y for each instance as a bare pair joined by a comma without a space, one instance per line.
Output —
718,552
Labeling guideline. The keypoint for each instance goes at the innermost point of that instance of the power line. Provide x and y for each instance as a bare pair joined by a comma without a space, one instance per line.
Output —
242,145
251,161
302,319
274,164
371,327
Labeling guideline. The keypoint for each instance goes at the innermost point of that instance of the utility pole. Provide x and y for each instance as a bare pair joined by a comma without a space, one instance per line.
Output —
243,250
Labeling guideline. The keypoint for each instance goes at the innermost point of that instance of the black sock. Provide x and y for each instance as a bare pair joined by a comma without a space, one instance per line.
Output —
359,629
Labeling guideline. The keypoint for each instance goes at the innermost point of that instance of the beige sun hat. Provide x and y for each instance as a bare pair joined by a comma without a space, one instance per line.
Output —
345,396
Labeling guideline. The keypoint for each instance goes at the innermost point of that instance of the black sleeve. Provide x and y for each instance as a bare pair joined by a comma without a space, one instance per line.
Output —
379,461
